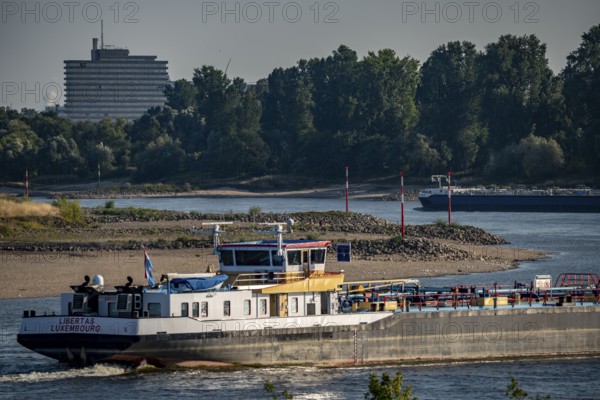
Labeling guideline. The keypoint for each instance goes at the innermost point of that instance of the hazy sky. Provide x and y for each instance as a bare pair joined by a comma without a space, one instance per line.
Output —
257,36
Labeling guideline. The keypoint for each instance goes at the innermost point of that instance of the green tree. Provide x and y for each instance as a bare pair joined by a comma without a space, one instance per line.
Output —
388,389
515,392
19,147
415,154
287,118
540,158
515,79
534,158
59,155
182,95
112,133
581,87
334,90
387,107
450,102
161,157
49,124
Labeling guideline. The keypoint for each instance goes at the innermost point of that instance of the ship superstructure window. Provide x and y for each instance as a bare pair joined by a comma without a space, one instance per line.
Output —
204,309
317,256
112,309
294,257
154,309
195,310
227,257
252,257
185,309
263,306
226,308
294,305
277,259
247,307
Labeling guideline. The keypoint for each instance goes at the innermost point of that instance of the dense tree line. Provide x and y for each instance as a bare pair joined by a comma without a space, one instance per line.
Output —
501,111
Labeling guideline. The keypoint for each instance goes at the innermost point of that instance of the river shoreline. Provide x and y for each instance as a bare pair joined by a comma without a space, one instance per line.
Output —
88,191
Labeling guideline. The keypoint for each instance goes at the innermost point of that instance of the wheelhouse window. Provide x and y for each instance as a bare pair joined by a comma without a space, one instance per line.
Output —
247,308
317,256
294,257
294,305
226,308
277,259
227,257
195,310
185,309
252,257
263,306
204,309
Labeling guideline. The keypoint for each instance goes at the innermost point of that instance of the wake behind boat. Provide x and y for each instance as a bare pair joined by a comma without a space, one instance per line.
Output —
278,305
481,199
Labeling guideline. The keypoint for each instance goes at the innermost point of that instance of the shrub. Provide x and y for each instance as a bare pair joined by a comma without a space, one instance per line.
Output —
388,389
254,211
70,210
312,236
109,204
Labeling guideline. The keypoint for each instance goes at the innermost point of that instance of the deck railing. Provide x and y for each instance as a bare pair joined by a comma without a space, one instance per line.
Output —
266,278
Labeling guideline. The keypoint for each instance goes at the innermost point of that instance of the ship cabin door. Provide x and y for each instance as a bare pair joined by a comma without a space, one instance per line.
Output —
305,262
325,303
279,305
273,306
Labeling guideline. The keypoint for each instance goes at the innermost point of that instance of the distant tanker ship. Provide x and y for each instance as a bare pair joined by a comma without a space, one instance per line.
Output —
480,199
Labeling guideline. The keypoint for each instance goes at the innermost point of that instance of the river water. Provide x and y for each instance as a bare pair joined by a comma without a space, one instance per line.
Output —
573,241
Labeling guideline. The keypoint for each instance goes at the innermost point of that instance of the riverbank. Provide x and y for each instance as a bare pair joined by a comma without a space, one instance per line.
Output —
118,191
44,256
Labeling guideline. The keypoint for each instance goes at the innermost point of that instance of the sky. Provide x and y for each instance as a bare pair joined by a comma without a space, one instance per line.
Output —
251,38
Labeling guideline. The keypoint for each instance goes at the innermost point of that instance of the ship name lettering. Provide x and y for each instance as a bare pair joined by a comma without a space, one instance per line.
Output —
76,320
76,325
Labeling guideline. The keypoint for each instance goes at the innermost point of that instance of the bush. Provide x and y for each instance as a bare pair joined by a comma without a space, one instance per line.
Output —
70,211
388,389
109,204
254,211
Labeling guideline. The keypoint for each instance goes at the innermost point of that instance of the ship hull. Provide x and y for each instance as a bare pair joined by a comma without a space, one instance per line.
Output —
396,337
474,202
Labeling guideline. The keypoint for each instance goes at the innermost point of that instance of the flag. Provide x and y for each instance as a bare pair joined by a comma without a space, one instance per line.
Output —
148,269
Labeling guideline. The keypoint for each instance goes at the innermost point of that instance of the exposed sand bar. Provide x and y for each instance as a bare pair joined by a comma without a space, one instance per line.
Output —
46,274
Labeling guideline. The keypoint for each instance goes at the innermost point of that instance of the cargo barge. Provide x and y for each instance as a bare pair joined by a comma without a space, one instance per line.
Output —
530,200
278,306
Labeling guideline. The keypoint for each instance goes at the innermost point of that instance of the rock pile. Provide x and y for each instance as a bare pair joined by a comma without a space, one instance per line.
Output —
409,249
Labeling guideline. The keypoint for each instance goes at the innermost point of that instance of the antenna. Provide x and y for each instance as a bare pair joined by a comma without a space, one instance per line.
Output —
227,67
102,34
278,231
215,231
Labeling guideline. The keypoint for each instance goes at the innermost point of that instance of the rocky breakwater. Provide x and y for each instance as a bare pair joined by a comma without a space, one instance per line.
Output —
371,237
410,249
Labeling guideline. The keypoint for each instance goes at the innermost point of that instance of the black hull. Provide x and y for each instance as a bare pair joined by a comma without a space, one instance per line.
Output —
413,336
68,347
583,204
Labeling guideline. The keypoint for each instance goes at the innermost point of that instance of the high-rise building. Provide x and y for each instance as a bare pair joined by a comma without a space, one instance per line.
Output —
113,84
